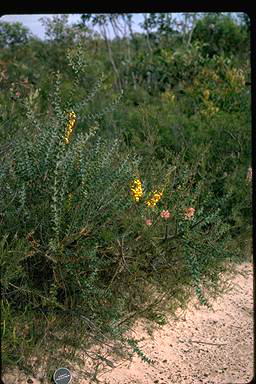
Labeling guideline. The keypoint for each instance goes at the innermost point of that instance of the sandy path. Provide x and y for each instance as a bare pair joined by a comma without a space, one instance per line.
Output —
206,346
213,346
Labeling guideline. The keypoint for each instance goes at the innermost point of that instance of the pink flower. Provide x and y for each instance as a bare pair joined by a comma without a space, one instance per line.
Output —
17,94
148,222
165,214
189,213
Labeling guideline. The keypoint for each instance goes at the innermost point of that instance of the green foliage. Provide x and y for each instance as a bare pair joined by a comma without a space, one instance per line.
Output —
13,34
134,344
222,34
58,30
47,173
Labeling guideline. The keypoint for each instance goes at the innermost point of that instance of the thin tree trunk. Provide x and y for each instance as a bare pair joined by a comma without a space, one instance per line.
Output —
147,34
129,23
104,33
192,28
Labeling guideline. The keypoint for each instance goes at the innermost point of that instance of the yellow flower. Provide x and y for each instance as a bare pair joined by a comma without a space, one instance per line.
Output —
236,77
210,108
168,96
70,126
136,189
156,197
215,77
69,200
206,94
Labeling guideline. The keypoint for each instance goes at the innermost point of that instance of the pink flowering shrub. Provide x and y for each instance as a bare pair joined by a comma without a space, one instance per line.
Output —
165,214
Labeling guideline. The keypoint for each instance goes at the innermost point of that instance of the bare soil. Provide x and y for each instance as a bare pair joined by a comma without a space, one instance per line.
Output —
213,346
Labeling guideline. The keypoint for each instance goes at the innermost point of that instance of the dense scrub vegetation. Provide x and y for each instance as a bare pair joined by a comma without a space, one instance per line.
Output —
126,170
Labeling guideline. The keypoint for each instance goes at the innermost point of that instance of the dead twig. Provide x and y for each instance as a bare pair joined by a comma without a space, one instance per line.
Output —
205,342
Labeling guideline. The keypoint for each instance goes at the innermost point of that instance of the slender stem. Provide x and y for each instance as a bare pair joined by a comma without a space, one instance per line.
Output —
38,294
166,231
205,342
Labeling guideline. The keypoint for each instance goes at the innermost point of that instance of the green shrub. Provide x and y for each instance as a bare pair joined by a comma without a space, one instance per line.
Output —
85,231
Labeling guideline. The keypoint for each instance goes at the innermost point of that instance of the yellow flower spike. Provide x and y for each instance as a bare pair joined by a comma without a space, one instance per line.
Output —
69,199
206,94
156,197
136,189
70,126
